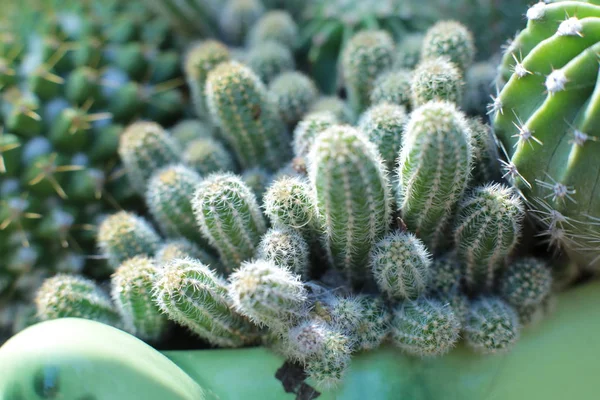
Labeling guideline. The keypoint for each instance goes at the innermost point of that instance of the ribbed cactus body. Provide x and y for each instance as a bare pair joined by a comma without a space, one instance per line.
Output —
384,124
229,217
131,290
392,87
286,248
366,55
337,106
207,155
269,59
446,275
65,296
144,148
124,235
353,196
191,294
433,170
276,25
329,368
309,128
269,295
401,265
181,248
249,120
449,39
436,79
526,282
425,327
487,228
545,116
486,167
169,198
492,326
294,93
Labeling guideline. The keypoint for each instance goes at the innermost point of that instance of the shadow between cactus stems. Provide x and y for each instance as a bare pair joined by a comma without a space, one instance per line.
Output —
76,359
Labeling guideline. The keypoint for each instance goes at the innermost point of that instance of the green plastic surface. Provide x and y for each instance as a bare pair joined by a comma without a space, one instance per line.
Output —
83,360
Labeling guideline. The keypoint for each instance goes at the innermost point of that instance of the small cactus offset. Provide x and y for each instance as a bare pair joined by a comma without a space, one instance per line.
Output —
207,155
526,282
392,87
229,217
181,248
309,128
353,196
492,326
276,25
237,18
290,202
293,92
287,249
191,294
436,79
131,290
486,167
270,59
449,39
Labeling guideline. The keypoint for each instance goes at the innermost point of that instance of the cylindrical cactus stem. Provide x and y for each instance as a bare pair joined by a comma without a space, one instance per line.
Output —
239,103
124,235
392,87
353,197
269,295
433,170
384,123
526,282
131,291
229,217
449,39
181,248
307,340
309,128
145,147
425,327
191,294
270,59
207,155
366,55
200,60
492,326
436,79
487,228
276,25
294,93
237,18
329,368
169,198
67,296
401,265
486,167
287,249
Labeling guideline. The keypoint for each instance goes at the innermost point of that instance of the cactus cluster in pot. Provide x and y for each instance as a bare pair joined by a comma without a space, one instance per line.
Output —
315,225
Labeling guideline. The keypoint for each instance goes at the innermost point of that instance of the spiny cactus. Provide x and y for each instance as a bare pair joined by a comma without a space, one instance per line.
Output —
293,93
392,87
276,25
145,147
237,18
131,291
384,124
408,51
446,274
269,59
479,86
487,228
287,249
492,326
307,340
329,368
526,282
124,235
169,197
191,294
337,106
425,327
258,179
229,217
269,295
449,39
181,248
207,155
365,56
401,265
436,79
249,121
353,196
64,296
433,170
187,131
486,167
309,128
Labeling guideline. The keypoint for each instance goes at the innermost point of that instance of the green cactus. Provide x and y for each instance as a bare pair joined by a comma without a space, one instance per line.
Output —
337,106
449,39
276,25
492,326
131,291
286,248
229,217
436,79
187,131
446,275
294,93
237,18
329,368
191,294
365,56
408,51
181,248
309,128
249,120
487,228
486,167
433,170
479,85
392,87
269,59
544,117
206,155
353,196
526,282
258,179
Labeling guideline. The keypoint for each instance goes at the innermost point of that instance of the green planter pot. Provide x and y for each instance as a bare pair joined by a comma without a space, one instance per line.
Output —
76,359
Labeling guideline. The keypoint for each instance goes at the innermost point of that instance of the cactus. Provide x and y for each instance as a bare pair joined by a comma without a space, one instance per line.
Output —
269,295
526,282
237,18
187,131
488,227
249,120
492,326
408,51
169,197
365,56
433,170
446,275
329,368
65,296
131,291
392,87
286,248
191,294
258,179
124,235
401,265
544,117
425,327
486,167
270,59
277,25
294,93
479,85
436,79
229,217
384,124
449,39
307,340
337,106
353,196
309,128
206,155
145,147
181,248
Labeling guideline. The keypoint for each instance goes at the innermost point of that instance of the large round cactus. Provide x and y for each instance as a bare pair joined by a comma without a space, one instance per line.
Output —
546,117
